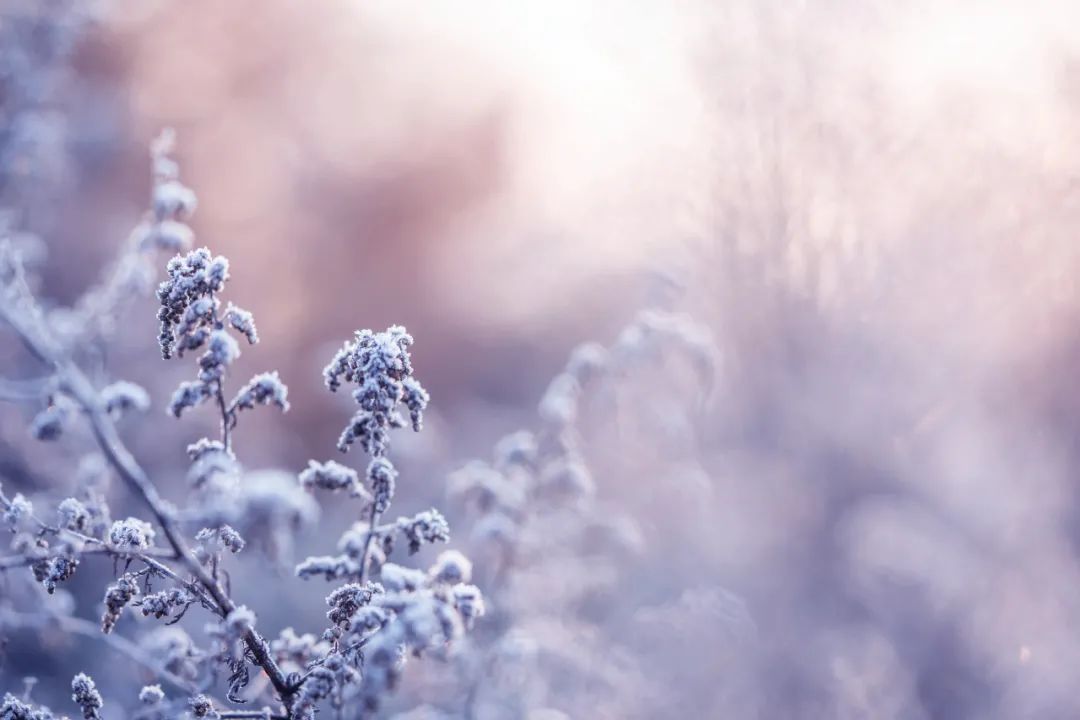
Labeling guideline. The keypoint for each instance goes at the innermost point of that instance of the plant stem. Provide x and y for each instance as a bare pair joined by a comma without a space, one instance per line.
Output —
31,329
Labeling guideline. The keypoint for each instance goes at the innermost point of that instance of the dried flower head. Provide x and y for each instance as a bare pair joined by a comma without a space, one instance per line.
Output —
378,363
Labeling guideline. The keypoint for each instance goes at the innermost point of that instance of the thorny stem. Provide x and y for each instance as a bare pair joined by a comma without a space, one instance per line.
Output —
78,386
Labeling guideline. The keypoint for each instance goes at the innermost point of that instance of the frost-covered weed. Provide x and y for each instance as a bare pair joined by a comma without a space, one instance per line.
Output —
385,611
546,539
175,560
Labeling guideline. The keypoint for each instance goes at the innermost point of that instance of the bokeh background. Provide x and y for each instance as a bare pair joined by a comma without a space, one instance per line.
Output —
872,512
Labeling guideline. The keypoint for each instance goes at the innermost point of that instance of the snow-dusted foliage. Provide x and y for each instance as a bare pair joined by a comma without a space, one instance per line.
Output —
167,561
385,612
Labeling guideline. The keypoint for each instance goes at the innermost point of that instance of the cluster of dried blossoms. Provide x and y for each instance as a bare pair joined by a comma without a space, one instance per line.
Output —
379,612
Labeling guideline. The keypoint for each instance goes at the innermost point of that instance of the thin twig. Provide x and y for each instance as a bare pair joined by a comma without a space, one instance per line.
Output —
16,561
93,630
372,531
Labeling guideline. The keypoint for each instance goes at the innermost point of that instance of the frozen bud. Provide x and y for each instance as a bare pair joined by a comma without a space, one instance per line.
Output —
398,578
480,485
239,622
188,395
243,322
214,540
380,366
568,477
187,300
217,273
151,695
587,361
318,686
203,446
231,539
263,389
131,535
49,423
221,351
17,511
347,599
122,397
296,649
451,568
165,602
54,570
559,406
469,602
12,708
332,476
117,597
497,529
381,477
86,696
214,467
425,527
203,707
170,235
72,515
330,567
519,448
172,199
416,399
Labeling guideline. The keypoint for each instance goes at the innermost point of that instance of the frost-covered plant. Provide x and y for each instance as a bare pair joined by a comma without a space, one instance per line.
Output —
537,522
173,560
384,611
